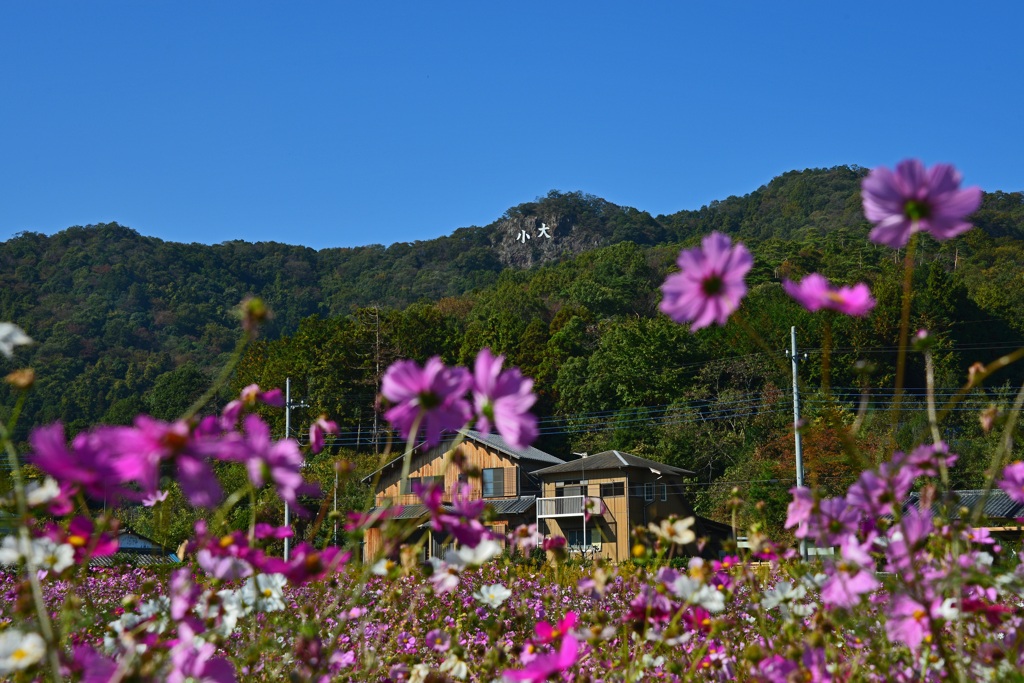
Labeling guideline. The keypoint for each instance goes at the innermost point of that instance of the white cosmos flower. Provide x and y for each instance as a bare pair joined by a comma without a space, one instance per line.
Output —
39,494
10,336
473,557
9,552
19,650
49,555
674,530
493,596
264,592
455,667
444,578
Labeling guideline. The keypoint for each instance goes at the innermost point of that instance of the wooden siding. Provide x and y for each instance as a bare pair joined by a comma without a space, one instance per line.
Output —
614,525
624,512
431,464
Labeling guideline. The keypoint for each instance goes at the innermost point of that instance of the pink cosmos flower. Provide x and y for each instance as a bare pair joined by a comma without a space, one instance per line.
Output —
278,461
247,399
192,661
852,576
814,293
710,285
433,393
309,564
318,429
503,400
1013,481
908,622
547,665
88,464
914,199
83,538
546,633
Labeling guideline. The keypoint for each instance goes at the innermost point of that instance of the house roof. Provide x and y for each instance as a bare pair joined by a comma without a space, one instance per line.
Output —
135,559
998,505
494,441
502,506
612,460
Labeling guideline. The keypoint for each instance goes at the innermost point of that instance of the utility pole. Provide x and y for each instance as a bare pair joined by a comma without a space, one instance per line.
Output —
796,425
288,405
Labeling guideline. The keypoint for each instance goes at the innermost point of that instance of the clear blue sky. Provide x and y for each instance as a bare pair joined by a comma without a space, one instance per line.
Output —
342,123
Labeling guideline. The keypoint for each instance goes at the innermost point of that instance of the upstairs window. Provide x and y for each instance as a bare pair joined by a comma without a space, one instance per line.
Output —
494,482
407,489
616,488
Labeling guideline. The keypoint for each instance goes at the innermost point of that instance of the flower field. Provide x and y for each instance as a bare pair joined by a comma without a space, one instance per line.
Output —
913,586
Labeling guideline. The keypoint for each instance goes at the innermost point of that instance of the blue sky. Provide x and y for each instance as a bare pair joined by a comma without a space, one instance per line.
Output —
344,124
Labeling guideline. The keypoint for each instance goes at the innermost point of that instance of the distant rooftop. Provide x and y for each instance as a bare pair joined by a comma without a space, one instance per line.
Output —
611,460
494,441
998,505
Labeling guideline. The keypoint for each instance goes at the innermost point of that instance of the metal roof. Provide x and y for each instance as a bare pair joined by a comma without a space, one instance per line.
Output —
494,441
134,559
611,460
998,505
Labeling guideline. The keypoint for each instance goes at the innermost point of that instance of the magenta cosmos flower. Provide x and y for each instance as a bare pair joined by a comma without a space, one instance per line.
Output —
815,293
503,400
544,666
915,199
710,285
434,394
1013,481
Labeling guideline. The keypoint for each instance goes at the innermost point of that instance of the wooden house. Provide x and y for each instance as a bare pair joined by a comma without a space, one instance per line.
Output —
596,501
507,482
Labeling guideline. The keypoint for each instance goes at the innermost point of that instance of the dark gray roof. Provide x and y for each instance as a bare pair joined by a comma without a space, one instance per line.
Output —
492,440
135,559
513,506
502,506
998,505
611,460
498,443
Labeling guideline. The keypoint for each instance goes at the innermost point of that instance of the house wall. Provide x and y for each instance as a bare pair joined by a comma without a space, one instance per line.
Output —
432,464
614,525
643,512
624,512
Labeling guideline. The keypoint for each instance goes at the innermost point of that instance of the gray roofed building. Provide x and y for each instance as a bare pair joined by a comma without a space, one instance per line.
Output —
611,460
998,505
495,441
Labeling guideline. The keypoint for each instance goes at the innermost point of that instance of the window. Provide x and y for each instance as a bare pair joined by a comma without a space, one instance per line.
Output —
568,488
494,482
578,537
616,488
649,492
407,489
664,491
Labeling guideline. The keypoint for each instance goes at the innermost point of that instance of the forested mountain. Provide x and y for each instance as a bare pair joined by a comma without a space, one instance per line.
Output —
126,323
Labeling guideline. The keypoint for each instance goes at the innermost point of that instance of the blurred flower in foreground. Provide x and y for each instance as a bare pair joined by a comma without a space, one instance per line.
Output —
814,293
10,336
1013,481
710,285
433,394
19,650
503,400
914,199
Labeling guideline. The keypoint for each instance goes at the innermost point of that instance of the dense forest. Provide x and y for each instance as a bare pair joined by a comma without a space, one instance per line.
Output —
128,324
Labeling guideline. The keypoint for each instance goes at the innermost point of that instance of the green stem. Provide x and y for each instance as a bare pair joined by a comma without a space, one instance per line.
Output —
901,357
222,378
1005,447
45,625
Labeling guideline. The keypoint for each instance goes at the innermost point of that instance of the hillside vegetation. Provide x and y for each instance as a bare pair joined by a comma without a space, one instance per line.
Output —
127,323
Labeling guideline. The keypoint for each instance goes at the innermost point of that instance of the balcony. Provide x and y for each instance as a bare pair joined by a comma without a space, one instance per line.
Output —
569,506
